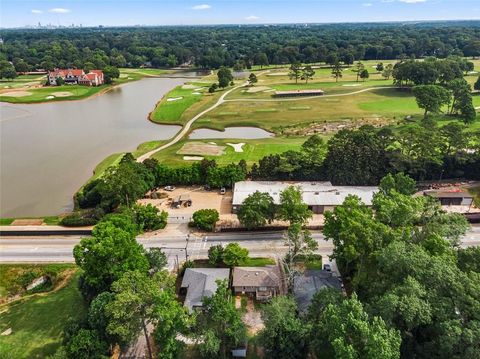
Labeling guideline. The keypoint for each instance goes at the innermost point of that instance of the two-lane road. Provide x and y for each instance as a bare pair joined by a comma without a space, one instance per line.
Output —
59,248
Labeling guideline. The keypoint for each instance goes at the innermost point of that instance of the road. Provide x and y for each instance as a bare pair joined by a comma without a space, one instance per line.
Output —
59,249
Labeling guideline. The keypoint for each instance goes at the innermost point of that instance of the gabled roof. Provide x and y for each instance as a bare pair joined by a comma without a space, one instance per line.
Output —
268,276
200,283
310,282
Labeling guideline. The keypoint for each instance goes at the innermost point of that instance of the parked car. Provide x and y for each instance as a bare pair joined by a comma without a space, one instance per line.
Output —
223,190
327,267
169,188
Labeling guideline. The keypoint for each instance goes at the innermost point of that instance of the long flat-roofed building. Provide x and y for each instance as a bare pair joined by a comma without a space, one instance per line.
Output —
319,196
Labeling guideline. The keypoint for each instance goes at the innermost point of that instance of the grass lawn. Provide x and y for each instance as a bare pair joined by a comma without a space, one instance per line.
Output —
14,276
253,150
40,94
50,220
257,262
181,98
37,322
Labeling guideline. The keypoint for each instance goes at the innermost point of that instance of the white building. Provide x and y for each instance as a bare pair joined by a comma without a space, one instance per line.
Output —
319,196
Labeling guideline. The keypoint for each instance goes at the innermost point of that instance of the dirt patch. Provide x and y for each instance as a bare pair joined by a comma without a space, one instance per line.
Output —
258,89
62,94
28,222
201,148
192,158
16,94
189,87
252,319
278,74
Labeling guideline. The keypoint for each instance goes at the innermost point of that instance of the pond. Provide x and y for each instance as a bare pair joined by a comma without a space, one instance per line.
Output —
247,133
48,150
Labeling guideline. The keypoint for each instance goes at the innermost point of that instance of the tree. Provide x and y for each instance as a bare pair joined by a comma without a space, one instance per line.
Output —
284,335
431,98
252,79
307,73
215,255
337,70
387,72
212,88
347,331
468,259
86,344
476,86
21,66
59,81
7,70
261,59
399,182
149,218
359,67
205,219
224,77
110,73
364,74
219,325
300,245
379,67
157,259
233,254
256,210
139,300
292,208
295,71
107,255
98,317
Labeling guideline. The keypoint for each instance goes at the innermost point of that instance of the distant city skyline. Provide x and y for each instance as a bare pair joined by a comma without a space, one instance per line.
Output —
28,13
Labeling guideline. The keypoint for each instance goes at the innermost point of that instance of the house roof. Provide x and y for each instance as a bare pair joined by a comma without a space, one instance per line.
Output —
310,282
448,194
313,193
200,283
268,276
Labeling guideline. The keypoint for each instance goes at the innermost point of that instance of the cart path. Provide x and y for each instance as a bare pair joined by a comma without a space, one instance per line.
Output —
186,128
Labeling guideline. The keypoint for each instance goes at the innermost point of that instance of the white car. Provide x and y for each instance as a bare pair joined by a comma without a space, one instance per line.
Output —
169,188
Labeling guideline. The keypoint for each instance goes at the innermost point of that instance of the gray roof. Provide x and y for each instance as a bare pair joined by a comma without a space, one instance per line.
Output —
310,282
268,276
200,283
313,193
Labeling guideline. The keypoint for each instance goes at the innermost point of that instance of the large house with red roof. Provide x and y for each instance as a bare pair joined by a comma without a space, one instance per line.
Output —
76,76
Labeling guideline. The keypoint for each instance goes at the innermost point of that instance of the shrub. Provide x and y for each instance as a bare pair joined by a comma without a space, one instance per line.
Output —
215,255
82,218
149,217
205,219
233,254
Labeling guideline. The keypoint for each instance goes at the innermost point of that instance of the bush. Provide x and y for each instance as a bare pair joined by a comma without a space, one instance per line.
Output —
205,219
82,218
215,255
149,218
233,254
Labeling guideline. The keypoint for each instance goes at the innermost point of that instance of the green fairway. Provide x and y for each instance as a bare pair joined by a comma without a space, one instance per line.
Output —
253,150
37,322
53,93
172,106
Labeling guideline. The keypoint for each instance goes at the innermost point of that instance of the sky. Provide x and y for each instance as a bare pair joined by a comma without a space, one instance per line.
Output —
19,13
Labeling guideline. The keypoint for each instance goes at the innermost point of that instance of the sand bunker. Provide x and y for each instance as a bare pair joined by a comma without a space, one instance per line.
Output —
49,97
16,94
196,93
202,149
278,74
258,89
237,147
189,87
170,99
62,94
192,158
352,85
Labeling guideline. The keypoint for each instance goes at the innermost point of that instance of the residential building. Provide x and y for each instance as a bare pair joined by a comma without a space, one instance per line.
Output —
310,282
76,76
319,196
199,283
451,198
263,283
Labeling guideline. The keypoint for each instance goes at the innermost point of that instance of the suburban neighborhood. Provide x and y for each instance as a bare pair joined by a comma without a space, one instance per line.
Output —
267,180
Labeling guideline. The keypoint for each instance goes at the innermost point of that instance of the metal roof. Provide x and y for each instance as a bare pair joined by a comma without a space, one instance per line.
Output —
313,193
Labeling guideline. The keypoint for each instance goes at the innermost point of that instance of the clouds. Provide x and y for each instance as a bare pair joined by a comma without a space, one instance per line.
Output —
201,7
35,11
252,18
59,10
367,4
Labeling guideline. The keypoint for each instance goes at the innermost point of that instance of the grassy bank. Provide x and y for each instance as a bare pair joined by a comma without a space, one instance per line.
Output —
37,322
50,220
253,150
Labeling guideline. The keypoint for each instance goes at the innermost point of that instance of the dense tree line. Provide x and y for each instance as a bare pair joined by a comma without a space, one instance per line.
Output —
412,292
215,46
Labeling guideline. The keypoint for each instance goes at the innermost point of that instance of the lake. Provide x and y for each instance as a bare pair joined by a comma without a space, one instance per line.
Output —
49,150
